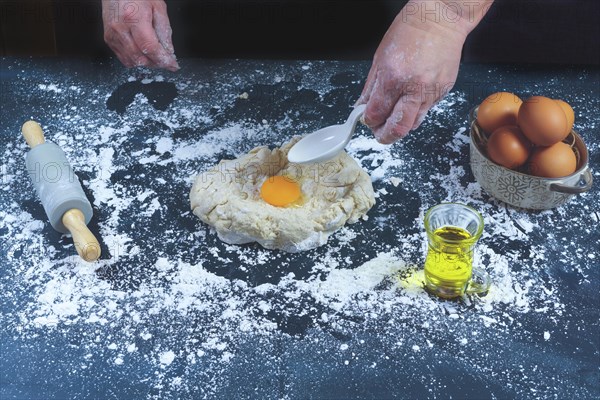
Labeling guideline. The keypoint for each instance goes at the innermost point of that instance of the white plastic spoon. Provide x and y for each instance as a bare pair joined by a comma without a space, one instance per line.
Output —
327,142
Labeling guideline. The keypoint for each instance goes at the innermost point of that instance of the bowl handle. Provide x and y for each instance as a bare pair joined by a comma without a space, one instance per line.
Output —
587,177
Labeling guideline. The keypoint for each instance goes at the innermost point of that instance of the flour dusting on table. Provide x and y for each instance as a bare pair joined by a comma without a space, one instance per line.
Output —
173,296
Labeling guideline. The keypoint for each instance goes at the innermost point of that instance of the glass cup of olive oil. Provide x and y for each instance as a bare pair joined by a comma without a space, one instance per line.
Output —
452,231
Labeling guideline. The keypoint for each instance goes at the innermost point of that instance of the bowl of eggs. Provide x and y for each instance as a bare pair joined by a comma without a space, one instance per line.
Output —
526,153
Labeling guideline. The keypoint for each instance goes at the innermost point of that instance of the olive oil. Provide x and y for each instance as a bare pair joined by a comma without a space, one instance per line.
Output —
449,262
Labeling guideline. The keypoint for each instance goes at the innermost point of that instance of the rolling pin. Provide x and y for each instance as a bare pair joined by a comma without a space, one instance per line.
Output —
59,190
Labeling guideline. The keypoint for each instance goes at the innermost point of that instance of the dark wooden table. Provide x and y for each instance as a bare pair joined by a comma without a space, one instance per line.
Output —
172,312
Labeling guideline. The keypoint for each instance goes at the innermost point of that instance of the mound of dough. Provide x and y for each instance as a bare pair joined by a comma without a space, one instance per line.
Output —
227,197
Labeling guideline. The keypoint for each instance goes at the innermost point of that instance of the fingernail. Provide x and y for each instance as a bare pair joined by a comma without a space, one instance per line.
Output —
169,62
365,121
419,121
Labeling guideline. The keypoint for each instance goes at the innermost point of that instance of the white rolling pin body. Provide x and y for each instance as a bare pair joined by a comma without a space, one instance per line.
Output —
60,191
57,185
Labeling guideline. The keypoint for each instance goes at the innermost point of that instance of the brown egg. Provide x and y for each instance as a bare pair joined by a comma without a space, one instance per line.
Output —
543,121
568,113
497,110
508,147
555,161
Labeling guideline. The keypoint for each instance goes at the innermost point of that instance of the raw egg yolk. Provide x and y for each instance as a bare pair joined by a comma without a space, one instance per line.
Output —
280,191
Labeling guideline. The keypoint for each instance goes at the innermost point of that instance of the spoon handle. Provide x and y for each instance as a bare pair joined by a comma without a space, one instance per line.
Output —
355,115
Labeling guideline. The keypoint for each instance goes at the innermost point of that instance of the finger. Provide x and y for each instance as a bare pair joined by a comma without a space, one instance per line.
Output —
115,46
369,83
385,94
146,40
428,104
143,61
129,51
162,26
111,38
121,49
400,121
421,115
131,62
125,60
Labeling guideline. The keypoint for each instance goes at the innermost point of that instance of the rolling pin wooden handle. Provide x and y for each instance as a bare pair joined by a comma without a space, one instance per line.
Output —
86,244
33,133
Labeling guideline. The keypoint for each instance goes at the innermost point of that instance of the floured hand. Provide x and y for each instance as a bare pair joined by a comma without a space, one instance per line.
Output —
416,64
139,33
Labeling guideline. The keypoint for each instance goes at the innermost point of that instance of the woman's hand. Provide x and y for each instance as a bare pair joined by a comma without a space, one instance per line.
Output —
139,33
415,66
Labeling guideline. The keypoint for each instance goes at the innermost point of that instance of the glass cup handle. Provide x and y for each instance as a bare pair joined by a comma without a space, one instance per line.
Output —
479,283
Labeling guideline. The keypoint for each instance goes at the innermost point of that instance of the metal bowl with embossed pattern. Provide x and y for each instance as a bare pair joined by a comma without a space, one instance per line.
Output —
523,190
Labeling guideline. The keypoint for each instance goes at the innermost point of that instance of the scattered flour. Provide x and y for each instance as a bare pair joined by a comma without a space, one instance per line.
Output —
179,296
167,358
